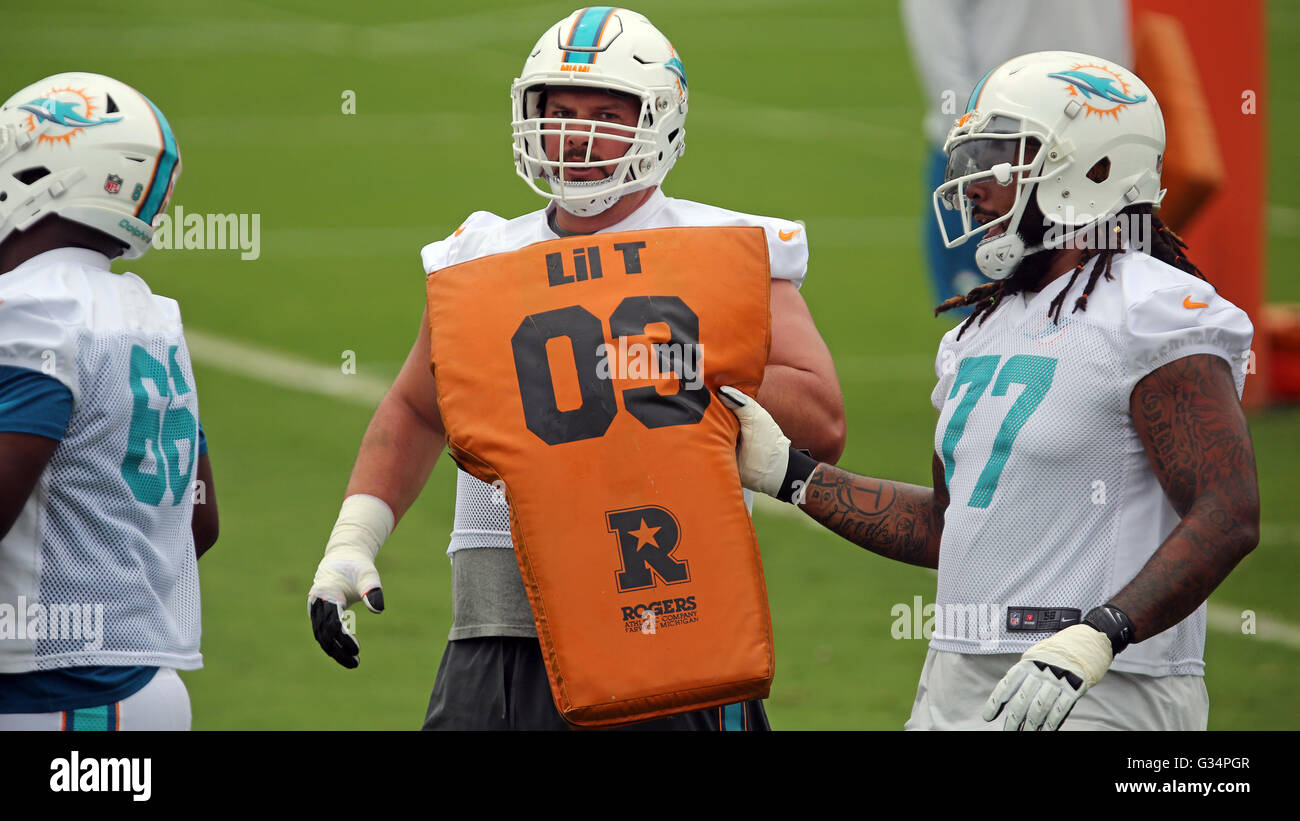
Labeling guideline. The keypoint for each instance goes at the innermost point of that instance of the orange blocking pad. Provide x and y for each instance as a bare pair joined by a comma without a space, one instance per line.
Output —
1225,236
1193,167
580,373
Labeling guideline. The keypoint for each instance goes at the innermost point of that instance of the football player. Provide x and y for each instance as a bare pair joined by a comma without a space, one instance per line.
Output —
951,46
1093,476
102,457
599,115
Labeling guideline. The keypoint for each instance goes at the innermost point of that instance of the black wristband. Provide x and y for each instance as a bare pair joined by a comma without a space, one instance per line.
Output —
1110,620
797,471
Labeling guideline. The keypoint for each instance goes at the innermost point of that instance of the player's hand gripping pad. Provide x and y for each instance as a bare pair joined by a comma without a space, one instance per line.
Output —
579,375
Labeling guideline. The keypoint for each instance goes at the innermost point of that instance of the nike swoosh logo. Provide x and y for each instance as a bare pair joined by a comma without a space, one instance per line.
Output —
1191,306
786,236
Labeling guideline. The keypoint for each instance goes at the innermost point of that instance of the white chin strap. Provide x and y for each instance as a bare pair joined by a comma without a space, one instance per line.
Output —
583,206
999,256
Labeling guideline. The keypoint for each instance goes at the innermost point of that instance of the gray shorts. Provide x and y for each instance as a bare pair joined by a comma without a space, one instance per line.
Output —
954,687
499,683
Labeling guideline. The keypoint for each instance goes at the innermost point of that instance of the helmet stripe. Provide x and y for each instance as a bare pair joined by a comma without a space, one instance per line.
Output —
163,168
601,31
586,34
979,89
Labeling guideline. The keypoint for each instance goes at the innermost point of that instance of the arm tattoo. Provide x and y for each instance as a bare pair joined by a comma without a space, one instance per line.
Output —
896,520
1189,420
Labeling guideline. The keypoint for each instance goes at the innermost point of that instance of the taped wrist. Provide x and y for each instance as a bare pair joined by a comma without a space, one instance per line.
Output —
1112,621
364,521
797,470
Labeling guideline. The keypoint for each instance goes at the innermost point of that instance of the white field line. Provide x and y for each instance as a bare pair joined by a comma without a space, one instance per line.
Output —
1227,619
283,370
1283,220
1221,617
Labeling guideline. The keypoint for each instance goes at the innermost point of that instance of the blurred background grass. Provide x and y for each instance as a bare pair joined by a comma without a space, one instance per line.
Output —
814,115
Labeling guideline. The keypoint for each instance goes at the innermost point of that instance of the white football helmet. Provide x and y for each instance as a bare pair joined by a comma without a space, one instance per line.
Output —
90,149
609,49
1080,110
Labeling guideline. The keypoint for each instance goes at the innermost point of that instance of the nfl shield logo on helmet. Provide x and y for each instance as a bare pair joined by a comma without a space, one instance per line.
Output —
113,184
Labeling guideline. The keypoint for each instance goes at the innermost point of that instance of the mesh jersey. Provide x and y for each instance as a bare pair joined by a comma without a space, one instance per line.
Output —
482,517
99,568
1053,501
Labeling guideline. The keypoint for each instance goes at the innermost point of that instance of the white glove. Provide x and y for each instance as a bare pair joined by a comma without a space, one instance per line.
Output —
347,575
764,453
1042,688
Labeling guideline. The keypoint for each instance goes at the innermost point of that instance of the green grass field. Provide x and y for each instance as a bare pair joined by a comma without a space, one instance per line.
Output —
814,115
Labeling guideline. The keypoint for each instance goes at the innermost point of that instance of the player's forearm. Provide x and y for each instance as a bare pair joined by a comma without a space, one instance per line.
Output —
205,524
810,411
23,458
1196,557
1195,435
894,519
398,452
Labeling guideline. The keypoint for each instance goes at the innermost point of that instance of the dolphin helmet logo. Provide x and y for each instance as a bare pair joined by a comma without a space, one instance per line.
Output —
675,66
1098,89
60,106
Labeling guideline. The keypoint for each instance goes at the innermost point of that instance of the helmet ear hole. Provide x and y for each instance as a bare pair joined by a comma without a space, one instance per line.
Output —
1100,170
30,175
4,195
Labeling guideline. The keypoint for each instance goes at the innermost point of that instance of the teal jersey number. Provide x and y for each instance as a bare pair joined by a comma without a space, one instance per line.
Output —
1035,373
976,372
157,430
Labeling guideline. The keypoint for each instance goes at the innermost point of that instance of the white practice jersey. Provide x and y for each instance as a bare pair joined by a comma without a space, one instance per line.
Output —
99,569
1054,503
482,517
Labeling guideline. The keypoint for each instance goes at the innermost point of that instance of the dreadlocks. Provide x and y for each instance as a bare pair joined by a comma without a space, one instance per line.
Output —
1164,245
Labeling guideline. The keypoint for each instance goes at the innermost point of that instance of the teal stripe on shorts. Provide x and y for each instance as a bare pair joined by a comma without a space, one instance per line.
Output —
101,718
733,717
